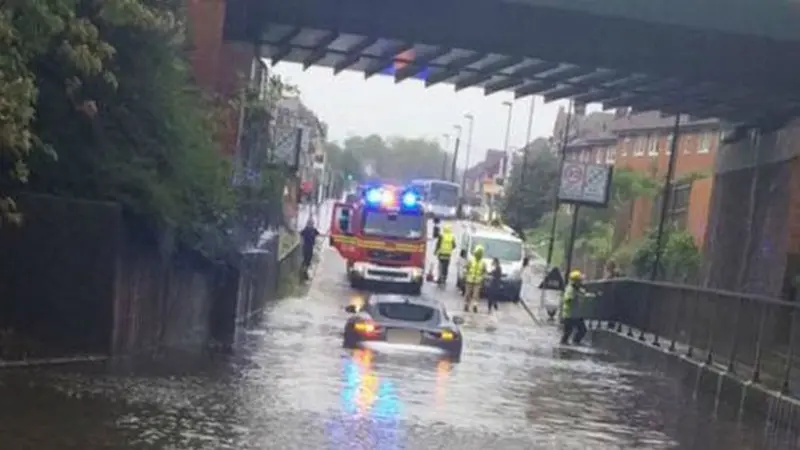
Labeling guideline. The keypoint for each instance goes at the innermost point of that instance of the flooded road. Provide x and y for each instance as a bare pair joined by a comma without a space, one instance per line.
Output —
292,386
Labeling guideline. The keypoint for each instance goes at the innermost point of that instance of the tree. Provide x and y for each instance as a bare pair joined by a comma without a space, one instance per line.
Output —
680,258
130,126
59,40
530,199
395,159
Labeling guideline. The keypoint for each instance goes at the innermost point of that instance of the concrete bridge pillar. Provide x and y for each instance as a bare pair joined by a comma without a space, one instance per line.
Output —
753,235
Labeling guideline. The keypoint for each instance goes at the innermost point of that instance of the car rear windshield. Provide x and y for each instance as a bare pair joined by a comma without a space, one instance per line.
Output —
406,311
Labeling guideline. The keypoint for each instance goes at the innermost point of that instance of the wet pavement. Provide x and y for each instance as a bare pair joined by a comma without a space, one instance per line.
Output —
292,386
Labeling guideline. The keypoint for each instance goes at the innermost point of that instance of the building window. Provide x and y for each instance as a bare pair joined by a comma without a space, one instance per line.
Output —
599,156
678,212
639,145
626,143
705,142
610,155
686,142
652,145
669,139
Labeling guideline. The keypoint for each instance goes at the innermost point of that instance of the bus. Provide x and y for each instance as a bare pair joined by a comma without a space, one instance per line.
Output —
441,197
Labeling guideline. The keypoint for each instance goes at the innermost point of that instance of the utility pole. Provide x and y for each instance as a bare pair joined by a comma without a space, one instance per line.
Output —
444,158
506,142
471,120
525,150
665,195
455,153
564,139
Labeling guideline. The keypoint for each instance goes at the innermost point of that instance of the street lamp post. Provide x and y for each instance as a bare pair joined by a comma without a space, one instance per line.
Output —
455,153
446,137
508,137
525,151
471,120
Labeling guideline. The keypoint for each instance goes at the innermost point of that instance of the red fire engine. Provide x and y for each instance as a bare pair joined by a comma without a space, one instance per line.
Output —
383,238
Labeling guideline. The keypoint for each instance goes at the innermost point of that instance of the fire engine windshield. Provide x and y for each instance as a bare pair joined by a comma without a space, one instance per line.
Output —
391,224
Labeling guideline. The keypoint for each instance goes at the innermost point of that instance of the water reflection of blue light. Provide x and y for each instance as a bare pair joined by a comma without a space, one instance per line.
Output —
370,410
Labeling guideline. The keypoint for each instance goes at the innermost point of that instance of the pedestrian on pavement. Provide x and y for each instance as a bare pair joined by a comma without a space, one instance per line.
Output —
308,236
572,319
612,271
445,244
476,269
494,286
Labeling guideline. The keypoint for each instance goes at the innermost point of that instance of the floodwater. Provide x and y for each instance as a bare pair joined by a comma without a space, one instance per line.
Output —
292,386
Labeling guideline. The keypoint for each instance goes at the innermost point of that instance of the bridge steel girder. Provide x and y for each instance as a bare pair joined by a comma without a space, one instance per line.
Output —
285,45
520,75
320,49
488,71
387,59
534,88
353,54
453,69
516,29
415,67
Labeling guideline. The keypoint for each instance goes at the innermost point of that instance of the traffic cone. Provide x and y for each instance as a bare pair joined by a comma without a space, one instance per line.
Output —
430,278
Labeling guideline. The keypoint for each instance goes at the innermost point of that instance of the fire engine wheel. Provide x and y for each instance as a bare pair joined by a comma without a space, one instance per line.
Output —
416,288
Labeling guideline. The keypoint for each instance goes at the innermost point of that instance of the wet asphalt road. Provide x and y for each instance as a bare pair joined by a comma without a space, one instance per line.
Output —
292,386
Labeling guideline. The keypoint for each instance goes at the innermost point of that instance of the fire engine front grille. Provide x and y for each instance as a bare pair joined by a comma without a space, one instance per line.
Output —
388,255
385,273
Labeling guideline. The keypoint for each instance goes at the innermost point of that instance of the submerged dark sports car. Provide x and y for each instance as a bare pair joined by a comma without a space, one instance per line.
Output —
404,320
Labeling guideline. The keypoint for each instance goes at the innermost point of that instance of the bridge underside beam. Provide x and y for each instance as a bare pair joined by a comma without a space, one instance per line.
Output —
607,60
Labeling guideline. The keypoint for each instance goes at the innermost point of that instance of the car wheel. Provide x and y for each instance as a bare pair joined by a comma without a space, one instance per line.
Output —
349,342
416,289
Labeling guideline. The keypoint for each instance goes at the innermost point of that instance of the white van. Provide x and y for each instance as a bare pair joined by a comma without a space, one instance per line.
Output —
497,243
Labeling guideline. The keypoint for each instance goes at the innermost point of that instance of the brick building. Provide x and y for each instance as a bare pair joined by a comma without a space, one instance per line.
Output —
642,142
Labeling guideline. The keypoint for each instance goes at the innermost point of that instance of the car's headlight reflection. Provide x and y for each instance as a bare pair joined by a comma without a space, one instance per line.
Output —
370,407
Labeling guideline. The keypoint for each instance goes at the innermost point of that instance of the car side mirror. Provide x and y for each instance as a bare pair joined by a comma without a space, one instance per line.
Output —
526,261
458,320
462,253
351,309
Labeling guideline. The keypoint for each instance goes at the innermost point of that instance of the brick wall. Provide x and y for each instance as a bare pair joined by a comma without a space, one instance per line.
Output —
689,160
220,68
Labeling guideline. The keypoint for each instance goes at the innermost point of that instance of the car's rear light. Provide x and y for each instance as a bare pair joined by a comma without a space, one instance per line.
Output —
365,327
447,335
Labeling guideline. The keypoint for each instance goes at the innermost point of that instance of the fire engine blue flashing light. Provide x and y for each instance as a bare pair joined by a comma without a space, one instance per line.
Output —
374,196
410,200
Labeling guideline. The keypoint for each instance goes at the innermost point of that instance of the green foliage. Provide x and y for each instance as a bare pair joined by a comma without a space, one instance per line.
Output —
595,226
530,199
107,88
394,158
66,35
680,259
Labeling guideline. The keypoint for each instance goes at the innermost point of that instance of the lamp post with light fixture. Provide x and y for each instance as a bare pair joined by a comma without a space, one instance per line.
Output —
455,153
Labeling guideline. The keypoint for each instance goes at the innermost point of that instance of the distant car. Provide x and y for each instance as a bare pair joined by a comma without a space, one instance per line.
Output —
497,242
399,319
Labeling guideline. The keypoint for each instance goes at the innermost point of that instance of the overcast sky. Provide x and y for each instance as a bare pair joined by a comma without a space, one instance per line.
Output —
351,106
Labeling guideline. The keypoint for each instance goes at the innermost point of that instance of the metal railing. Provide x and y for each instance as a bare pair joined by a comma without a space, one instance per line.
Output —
747,335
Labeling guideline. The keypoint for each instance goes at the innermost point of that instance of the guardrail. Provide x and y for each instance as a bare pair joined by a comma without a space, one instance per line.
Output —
751,336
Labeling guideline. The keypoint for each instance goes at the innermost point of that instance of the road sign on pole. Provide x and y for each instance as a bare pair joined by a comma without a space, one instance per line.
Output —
585,184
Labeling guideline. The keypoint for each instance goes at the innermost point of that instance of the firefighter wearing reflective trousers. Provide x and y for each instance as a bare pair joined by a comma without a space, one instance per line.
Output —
476,269
444,249
572,309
